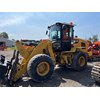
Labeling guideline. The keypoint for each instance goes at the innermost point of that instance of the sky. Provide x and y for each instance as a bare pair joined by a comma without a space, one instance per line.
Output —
33,25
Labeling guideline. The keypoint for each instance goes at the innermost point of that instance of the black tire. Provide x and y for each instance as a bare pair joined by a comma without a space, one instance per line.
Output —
33,65
76,65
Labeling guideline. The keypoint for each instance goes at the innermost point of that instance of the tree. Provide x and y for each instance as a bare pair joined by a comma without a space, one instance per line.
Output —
94,38
4,35
90,39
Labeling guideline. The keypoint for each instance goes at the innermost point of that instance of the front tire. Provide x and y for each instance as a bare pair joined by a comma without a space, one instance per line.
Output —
40,68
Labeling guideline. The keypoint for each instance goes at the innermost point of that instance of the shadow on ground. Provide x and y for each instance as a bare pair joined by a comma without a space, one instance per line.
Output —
82,77
61,76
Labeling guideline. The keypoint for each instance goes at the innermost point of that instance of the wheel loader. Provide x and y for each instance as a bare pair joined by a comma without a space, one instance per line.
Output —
40,60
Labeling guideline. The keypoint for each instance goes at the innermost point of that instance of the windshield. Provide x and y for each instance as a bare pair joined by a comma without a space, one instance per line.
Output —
71,32
55,32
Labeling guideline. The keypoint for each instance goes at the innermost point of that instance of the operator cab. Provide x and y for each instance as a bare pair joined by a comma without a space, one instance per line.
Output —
61,35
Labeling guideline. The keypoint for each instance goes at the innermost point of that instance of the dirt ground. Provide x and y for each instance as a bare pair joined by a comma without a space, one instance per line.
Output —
62,77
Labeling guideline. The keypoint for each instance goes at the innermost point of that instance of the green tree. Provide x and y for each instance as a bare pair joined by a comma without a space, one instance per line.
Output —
90,39
94,38
4,35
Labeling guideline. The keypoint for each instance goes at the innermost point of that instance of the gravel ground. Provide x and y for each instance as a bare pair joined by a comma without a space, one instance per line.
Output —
62,77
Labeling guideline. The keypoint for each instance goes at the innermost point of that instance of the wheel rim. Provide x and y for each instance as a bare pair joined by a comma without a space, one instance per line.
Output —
81,61
43,68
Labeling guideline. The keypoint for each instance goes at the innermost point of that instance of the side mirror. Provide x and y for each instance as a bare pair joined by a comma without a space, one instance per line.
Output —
46,32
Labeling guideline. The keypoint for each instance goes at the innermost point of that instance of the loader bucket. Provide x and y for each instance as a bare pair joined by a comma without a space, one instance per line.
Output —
6,69
3,68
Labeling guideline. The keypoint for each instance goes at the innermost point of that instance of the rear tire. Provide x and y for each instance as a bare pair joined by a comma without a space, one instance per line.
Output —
40,68
79,61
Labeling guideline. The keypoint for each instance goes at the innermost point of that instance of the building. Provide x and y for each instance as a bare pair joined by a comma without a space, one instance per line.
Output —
7,42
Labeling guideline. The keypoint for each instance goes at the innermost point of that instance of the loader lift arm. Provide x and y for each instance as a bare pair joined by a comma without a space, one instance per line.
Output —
44,47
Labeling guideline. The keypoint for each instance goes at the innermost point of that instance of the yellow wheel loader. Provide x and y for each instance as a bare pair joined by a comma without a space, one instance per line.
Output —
39,61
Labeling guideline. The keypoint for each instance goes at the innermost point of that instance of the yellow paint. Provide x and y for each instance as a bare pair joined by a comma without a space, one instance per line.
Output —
81,61
43,68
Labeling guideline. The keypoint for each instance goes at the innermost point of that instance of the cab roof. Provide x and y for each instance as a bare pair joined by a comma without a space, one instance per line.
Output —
59,23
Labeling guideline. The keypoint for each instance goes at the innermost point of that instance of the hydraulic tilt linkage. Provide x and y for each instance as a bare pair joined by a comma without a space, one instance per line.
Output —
8,69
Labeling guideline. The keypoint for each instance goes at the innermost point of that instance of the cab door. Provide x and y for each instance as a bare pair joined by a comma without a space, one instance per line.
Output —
66,38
